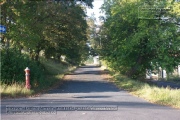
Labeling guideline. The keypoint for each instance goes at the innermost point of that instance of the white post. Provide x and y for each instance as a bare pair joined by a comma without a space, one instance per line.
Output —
147,75
179,70
160,72
164,74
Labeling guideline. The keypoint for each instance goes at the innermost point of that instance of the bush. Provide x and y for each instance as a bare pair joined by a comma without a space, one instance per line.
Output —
13,64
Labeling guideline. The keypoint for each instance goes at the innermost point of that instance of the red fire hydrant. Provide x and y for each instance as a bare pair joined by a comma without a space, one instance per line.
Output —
27,74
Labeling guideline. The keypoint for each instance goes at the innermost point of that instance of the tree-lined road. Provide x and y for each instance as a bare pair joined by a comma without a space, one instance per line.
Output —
87,88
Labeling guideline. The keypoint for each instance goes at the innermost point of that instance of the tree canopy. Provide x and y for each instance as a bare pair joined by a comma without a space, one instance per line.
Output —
55,27
140,34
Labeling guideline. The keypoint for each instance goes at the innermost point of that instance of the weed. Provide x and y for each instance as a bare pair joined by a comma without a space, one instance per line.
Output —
163,96
54,73
14,90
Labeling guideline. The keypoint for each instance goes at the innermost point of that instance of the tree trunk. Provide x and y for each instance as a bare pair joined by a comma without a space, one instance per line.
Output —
36,56
134,68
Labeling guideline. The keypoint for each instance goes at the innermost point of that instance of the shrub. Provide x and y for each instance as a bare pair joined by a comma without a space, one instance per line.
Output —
13,64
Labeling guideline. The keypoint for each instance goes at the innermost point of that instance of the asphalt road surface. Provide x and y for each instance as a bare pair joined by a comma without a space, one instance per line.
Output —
85,95
165,84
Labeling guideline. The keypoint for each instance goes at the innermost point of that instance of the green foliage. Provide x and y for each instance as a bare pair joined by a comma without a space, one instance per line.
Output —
131,45
43,75
12,68
164,96
14,90
56,28
53,27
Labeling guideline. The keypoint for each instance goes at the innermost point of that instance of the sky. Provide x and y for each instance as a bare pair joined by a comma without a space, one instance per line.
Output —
97,4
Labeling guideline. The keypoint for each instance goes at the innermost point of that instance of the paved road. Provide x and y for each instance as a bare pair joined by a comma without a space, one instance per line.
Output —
87,92
165,84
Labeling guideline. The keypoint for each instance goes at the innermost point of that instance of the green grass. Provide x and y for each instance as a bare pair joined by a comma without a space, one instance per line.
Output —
55,71
56,68
163,96
14,90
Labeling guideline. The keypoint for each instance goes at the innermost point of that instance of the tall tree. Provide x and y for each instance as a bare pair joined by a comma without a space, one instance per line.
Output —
55,27
133,45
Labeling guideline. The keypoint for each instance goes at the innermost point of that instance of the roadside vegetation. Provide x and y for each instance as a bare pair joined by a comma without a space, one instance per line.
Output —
51,76
159,95
152,93
136,36
14,90
48,37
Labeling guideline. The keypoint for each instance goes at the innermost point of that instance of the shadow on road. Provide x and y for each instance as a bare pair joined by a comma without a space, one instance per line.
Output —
89,66
77,86
164,84
86,79
86,72
86,87
89,72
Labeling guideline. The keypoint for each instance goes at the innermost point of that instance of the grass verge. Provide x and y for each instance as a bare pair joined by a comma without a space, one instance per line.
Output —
14,90
163,96
54,73
152,93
